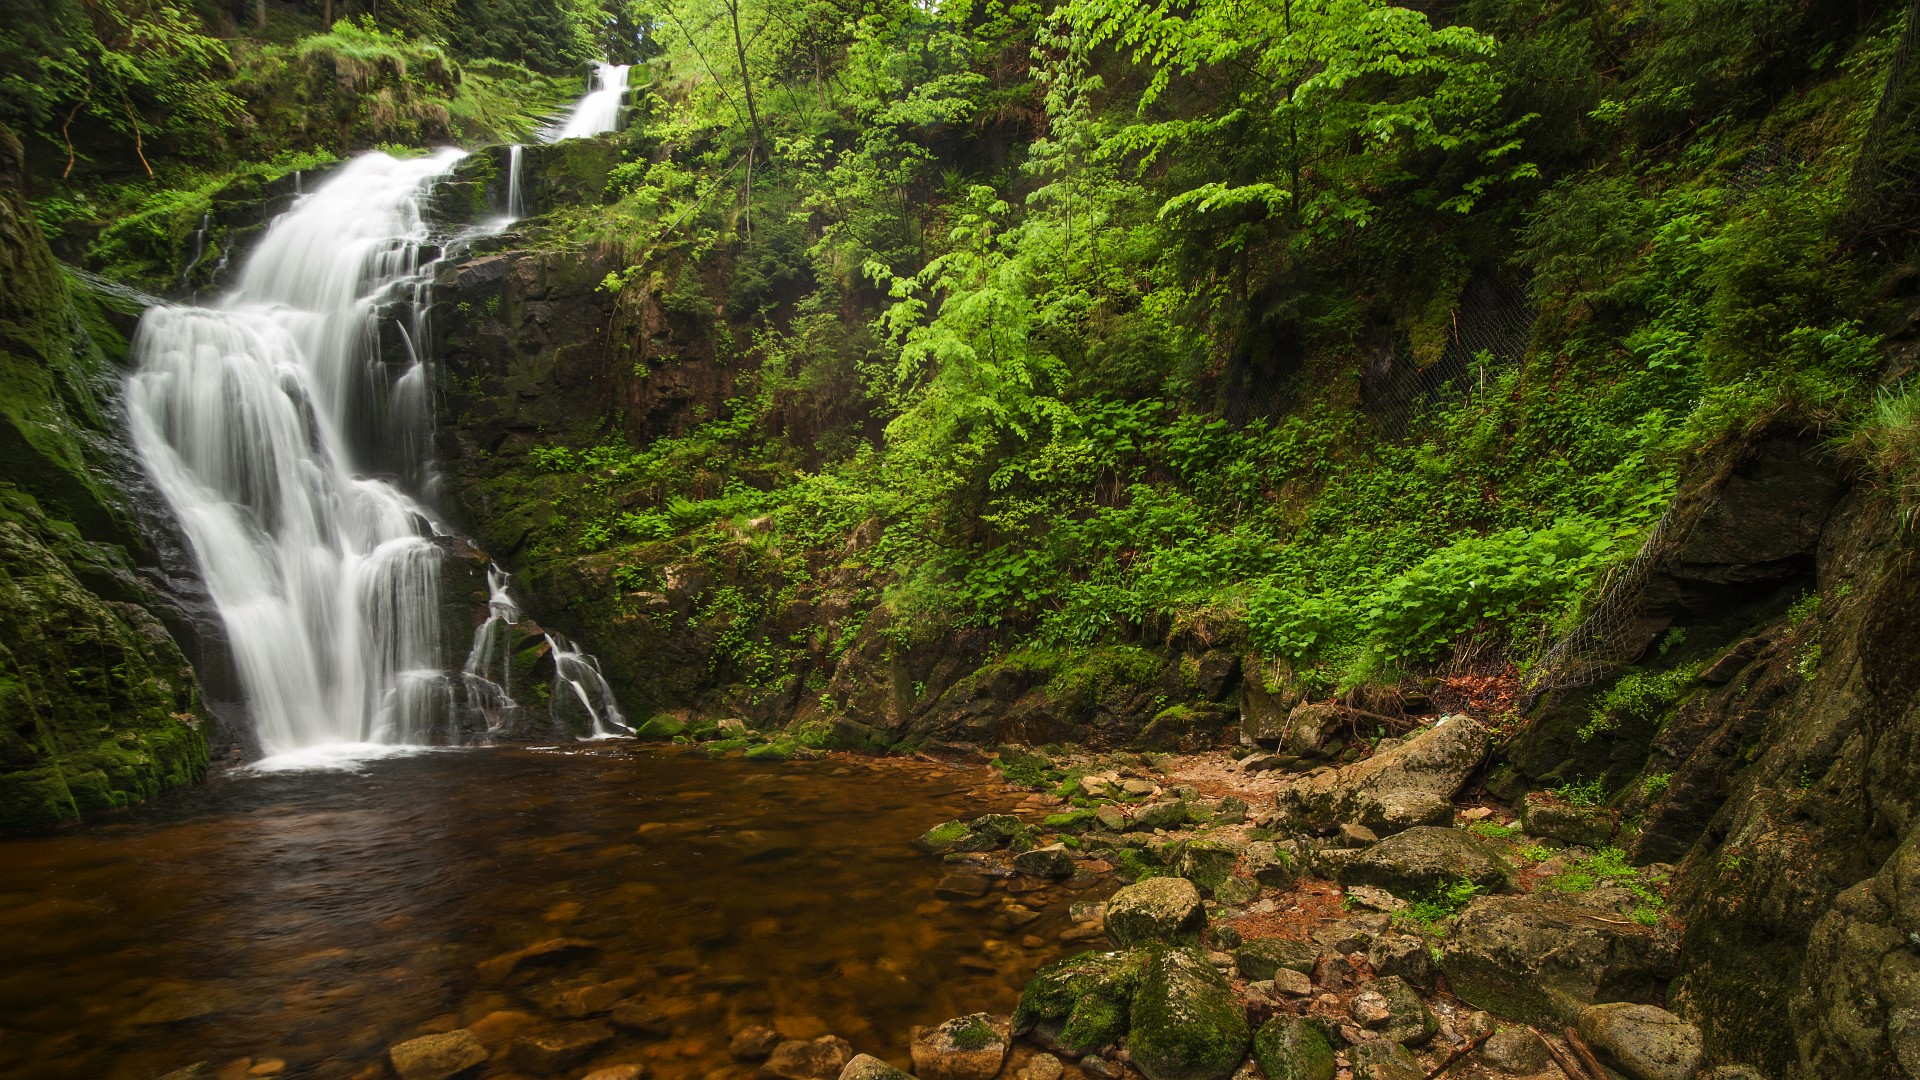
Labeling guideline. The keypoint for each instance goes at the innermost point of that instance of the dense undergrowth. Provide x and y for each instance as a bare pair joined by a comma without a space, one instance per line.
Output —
1169,320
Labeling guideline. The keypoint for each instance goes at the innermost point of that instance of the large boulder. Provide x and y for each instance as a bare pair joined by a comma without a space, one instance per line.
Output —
1208,863
964,1048
1185,1023
1289,1048
1412,784
1310,727
1409,1021
1644,1041
1086,997
1424,859
1539,959
1163,910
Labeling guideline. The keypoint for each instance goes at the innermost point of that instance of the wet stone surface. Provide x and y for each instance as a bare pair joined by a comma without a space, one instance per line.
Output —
569,910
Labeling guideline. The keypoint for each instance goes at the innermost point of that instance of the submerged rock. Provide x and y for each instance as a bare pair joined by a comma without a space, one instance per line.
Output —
753,1043
436,1057
1052,861
1184,1022
818,1059
551,951
559,1049
1165,910
964,1048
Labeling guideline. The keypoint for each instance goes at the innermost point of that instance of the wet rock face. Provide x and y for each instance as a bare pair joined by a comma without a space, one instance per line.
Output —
100,708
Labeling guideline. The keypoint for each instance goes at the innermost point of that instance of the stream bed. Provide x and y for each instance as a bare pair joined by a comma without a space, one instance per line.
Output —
299,924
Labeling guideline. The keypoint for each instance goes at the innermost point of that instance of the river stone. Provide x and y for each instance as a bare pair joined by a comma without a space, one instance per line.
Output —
1236,891
1538,960
1185,1023
753,1043
1413,784
1289,1048
1644,1041
1552,818
1403,955
1309,728
1380,1059
954,836
1111,818
1369,1009
798,1059
558,1049
1089,992
1208,863
1052,861
1167,814
1271,864
868,1067
1001,828
1516,1050
617,1072
436,1057
1260,958
1163,909
965,1048
641,1019
1422,860
1409,1021
1232,810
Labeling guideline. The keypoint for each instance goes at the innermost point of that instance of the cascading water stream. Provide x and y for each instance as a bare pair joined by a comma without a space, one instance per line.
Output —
599,111
579,673
278,433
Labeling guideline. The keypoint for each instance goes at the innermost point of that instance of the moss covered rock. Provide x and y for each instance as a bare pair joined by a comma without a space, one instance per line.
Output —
1184,1023
1289,1048
1086,997
1163,910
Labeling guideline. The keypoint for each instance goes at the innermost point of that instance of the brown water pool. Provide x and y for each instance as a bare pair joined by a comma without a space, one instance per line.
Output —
315,919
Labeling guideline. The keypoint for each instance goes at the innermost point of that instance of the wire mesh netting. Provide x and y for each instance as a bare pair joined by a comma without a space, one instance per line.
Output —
1613,632
1886,175
1487,333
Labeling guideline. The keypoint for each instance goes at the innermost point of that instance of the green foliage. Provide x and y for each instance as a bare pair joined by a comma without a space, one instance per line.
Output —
1637,696
1590,794
1428,912
1655,786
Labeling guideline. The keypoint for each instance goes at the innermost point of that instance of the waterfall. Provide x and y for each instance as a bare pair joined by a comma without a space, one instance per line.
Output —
280,425
488,672
599,111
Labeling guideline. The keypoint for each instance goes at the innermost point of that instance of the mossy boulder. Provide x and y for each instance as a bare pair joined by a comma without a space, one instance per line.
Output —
1088,995
951,836
661,727
1381,1059
1289,1048
1162,910
965,1048
1184,1023
1423,860
1208,863
1536,959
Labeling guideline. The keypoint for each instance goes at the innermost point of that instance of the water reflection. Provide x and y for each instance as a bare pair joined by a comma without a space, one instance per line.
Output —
319,919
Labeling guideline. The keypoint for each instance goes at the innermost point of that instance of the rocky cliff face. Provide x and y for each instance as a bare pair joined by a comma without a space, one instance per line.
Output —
101,707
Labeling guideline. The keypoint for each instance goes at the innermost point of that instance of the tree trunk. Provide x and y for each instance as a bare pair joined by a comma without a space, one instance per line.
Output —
746,79
260,14
327,16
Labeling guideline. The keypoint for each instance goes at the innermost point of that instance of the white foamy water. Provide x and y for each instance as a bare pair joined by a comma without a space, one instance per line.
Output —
599,111
280,427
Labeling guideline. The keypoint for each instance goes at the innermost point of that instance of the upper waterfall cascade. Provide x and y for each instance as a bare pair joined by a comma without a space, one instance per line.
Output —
599,111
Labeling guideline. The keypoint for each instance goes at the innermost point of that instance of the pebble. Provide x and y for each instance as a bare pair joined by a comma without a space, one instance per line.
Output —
1370,1009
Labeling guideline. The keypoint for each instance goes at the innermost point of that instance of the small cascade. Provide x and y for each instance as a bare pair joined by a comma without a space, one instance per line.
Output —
488,672
199,249
579,674
516,202
599,111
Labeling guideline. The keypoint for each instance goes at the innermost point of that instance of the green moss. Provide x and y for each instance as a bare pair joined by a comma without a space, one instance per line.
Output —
661,726
1088,992
974,1034
1184,1023
1289,1048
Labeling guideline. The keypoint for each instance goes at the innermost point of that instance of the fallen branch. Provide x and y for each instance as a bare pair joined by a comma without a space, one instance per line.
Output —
1458,1054
1567,1064
1592,1063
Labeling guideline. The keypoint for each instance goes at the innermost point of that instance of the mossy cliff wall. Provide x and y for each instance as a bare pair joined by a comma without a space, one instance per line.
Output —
100,705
